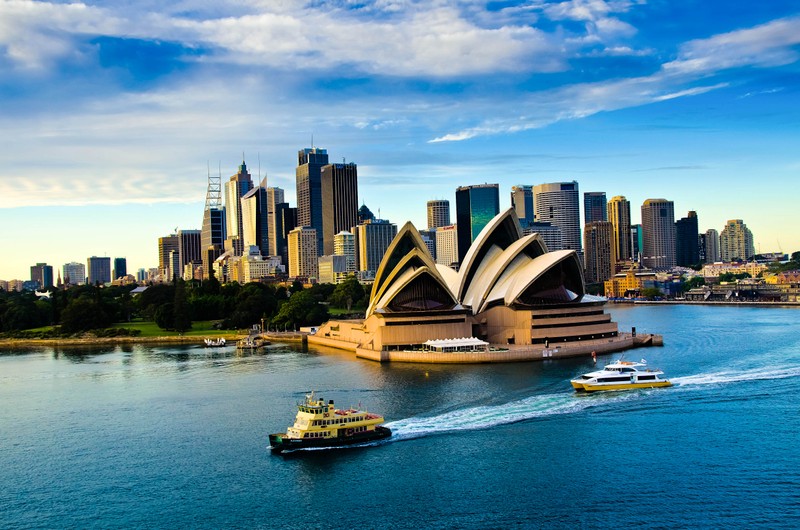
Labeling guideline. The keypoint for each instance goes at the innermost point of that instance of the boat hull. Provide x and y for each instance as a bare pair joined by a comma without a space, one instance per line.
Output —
279,443
589,387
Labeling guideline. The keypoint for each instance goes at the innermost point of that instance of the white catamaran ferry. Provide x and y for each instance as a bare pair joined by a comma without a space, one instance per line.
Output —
620,375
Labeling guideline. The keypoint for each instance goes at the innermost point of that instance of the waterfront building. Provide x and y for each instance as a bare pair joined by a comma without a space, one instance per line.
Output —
447,245
629,283
310,162
475,206
372,239
303,260
508,291
120,268
713,270
339,184
42,273
74,273
344,244
598,242
658,228
594,207
522,204
550,234
558,204
255,218
236,187
99,269
619,215
736,241
274,198
438,213
687,248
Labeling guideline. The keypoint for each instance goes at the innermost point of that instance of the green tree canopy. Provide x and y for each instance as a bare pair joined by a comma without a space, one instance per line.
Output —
302,309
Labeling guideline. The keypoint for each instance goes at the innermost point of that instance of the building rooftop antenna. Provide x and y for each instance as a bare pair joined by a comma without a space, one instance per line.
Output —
214,191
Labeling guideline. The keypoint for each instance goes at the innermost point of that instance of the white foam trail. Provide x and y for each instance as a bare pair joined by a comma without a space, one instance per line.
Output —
735,377
490,416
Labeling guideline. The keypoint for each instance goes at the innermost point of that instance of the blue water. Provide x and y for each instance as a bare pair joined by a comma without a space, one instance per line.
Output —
162,437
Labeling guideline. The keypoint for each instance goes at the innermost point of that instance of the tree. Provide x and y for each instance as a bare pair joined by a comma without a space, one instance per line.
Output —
302,309
83,314
347,294
652,292
181,320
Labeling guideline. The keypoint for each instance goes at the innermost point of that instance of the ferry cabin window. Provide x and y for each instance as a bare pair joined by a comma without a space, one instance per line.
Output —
646,377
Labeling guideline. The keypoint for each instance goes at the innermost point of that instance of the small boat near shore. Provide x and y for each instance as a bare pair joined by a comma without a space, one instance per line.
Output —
320,425
620,375
215,343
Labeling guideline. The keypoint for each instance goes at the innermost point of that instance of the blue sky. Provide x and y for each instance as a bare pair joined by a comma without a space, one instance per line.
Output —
112,112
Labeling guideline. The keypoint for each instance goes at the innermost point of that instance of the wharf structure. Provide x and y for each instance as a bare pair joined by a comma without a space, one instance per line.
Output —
510,292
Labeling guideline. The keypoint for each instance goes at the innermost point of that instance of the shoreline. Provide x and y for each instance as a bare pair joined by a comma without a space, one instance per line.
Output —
6,344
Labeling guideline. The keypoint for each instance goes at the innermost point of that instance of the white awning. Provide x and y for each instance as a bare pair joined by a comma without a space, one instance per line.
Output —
455,343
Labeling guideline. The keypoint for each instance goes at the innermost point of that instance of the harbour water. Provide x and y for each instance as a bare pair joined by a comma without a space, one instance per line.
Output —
165,437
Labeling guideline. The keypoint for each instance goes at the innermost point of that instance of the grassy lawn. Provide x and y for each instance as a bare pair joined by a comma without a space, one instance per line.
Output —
199,329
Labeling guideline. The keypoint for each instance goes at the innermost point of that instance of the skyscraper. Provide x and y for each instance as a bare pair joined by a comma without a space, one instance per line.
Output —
558,204
687,248
274,198
212,236
447,245
255,218
236,187
287,221
637,243
594,206
619,214
475,207
372,239
344,244
522,203
736,241
438,213
339,185
302,242
169,257
309,189
188,249
74,273
550,234
42,273
658,227
99,270
598,239
710,246
120,268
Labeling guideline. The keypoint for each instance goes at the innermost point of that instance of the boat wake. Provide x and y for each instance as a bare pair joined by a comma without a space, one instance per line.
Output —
489,416
736,377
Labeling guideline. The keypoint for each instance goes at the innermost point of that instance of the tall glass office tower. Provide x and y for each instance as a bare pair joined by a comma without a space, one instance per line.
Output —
475,207
309,190
557,204
522,202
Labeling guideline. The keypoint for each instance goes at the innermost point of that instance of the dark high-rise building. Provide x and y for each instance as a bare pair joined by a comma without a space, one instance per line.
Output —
339,202
274,198
287,221
99,270
637,243
687,245
42,273
212,234
309,190
189,249
365,214
658,227
598,241
557,203
438,213
594,207
236,187
475,207
120,268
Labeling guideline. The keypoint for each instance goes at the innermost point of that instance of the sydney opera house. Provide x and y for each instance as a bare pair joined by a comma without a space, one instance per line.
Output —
510,295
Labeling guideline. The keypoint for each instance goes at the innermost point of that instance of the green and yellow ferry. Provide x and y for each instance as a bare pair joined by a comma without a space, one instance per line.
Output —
320,425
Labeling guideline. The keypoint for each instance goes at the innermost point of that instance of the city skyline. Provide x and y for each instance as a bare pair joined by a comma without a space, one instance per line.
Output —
113,115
